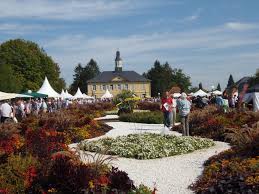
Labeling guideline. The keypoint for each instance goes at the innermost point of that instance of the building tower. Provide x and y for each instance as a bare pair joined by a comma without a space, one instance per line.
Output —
118,62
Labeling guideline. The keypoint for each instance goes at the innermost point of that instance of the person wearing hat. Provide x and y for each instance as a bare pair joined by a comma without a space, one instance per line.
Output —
184,107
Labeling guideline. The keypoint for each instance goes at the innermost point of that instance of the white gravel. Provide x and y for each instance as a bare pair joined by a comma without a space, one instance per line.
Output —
171,175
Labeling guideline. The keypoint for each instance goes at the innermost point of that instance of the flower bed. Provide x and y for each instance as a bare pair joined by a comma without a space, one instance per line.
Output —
155,117
214,124
235,170
146,145
34,156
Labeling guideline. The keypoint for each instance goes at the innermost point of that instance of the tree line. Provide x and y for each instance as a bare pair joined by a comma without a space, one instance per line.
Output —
23,66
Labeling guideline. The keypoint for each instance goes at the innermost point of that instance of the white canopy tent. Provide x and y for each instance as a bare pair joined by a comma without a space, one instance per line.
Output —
107,95
48,90
216,92
68,95
78,94
6,96
200,93
88,97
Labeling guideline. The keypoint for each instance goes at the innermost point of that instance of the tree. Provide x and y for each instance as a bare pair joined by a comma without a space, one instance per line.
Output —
200,86
29,65
83,74
230,81
255,79
8,81
219,87
163,77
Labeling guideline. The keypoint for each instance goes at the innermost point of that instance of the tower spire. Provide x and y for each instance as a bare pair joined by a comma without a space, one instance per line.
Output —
118,62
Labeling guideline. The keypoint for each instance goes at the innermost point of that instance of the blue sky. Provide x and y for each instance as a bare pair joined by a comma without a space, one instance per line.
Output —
207,39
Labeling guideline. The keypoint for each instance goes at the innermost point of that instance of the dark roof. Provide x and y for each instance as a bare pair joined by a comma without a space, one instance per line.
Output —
107,76
243,81
254,88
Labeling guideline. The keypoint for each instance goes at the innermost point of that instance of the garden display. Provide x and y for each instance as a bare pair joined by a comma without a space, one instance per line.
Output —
146,145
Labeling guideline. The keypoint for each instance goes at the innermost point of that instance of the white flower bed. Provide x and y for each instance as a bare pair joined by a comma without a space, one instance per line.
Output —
146,145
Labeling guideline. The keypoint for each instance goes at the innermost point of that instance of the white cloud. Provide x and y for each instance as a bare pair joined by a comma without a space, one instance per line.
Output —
193,17
20,29
202,51
68,9
240,26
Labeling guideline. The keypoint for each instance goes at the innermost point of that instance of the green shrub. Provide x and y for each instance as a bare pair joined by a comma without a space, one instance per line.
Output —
143,117
146,145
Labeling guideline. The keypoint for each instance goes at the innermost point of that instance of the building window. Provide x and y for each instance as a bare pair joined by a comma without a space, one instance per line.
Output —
101,87
94,87
126,87
111,87
119,86
104,87
133,87
143,86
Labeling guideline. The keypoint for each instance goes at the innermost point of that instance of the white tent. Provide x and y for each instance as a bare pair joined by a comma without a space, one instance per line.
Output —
200,93
6,96
216,92
68,95
107,95
88,97
78,94
176,95
48,90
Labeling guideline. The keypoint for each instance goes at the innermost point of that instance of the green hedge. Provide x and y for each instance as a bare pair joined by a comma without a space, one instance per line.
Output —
143,117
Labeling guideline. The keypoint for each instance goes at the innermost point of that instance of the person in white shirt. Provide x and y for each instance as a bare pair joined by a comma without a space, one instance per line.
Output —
5,111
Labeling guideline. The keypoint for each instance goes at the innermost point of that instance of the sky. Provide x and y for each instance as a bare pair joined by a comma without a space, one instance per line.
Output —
208,39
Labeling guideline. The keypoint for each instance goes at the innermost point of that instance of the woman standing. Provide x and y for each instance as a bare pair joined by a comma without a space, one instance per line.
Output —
166,107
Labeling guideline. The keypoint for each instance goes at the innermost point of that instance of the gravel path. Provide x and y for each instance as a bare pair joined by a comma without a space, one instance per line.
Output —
171,175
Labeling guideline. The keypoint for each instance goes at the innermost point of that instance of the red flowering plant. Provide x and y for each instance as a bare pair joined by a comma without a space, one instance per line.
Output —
44,142
10,140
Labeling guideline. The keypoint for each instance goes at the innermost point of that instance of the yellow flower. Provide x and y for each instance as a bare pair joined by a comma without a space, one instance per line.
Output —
91,184
52,190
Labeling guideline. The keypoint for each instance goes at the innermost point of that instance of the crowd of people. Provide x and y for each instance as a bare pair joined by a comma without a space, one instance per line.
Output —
170,104
16,110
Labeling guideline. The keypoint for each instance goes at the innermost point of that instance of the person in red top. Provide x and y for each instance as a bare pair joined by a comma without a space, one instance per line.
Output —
167,107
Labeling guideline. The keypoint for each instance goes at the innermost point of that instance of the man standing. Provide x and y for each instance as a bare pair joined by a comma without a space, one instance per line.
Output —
184,107
5,111
166,107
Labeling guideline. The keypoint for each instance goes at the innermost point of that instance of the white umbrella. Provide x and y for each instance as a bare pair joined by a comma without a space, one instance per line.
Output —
176,95
200,93
216,92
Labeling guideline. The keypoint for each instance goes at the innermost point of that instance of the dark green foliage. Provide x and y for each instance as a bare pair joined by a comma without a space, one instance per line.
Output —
8,81
120,181
218,87
27,64
155,117
163,77
83,74
230,81
255,79
152,106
